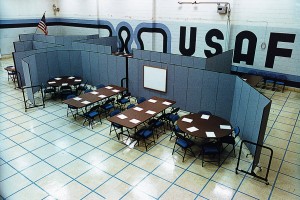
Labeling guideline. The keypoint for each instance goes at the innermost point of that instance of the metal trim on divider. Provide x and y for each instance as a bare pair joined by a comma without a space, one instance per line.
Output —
252,173
32,105
126,82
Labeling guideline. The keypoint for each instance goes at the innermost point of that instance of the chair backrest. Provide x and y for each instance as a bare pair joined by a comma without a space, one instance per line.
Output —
236,131
174,118
87,90
127,94
179,135
65,87
100,86
281,77
204,112
252,72
183,137
96,107
175,110
110,100
141,100
150,127
71,96
130,106
115,112
270,75
86,82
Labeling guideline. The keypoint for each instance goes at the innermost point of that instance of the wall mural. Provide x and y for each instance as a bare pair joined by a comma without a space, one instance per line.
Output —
214,38
241,38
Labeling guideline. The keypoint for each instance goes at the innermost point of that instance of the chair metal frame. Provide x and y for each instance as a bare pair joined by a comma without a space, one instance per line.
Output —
91,119
187,140
217,147
140,135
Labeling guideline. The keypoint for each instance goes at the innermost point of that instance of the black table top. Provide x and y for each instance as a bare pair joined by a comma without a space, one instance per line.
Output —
196,125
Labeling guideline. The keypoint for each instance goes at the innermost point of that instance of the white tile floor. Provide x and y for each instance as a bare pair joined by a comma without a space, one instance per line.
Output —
46,155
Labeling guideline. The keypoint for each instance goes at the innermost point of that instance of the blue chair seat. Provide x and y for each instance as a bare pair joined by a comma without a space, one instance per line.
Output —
171,117
130,106
280,83
124,101
108,106
228,140
177,129
92,114
12,73
159,124
71,107
269,81
182,143
211,150
117,125
145,133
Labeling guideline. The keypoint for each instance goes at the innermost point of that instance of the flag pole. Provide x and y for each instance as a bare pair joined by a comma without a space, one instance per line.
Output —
38,24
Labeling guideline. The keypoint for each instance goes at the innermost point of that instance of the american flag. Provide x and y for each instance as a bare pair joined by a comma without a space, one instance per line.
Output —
42,25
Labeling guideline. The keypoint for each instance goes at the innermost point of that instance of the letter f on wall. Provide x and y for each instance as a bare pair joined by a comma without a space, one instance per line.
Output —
273,51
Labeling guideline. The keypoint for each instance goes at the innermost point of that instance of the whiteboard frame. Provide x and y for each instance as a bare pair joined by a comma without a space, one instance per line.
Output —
160,77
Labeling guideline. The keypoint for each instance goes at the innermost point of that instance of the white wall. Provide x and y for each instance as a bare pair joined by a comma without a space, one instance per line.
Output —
259,17
18,10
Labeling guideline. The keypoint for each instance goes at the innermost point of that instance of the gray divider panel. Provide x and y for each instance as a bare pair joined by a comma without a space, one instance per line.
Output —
199,63
187,61
19,46
32,79
100,48
165,58
170,80
50,39
121,69
103,69
41,45
59,39
107,49
94,47
209,91
146,55
247,132
176,59
87,47
194,90
249,112
109,41
86,66
220,63
53,66
27,81
40,37
76,63
133,76
64,63
42,68
95,78
155,56
236,101
25,37
242,112
112,69
180,86
23,46
137,53
142,91
225,95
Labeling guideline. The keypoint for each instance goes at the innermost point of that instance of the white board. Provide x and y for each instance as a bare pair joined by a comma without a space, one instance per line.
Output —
155,78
